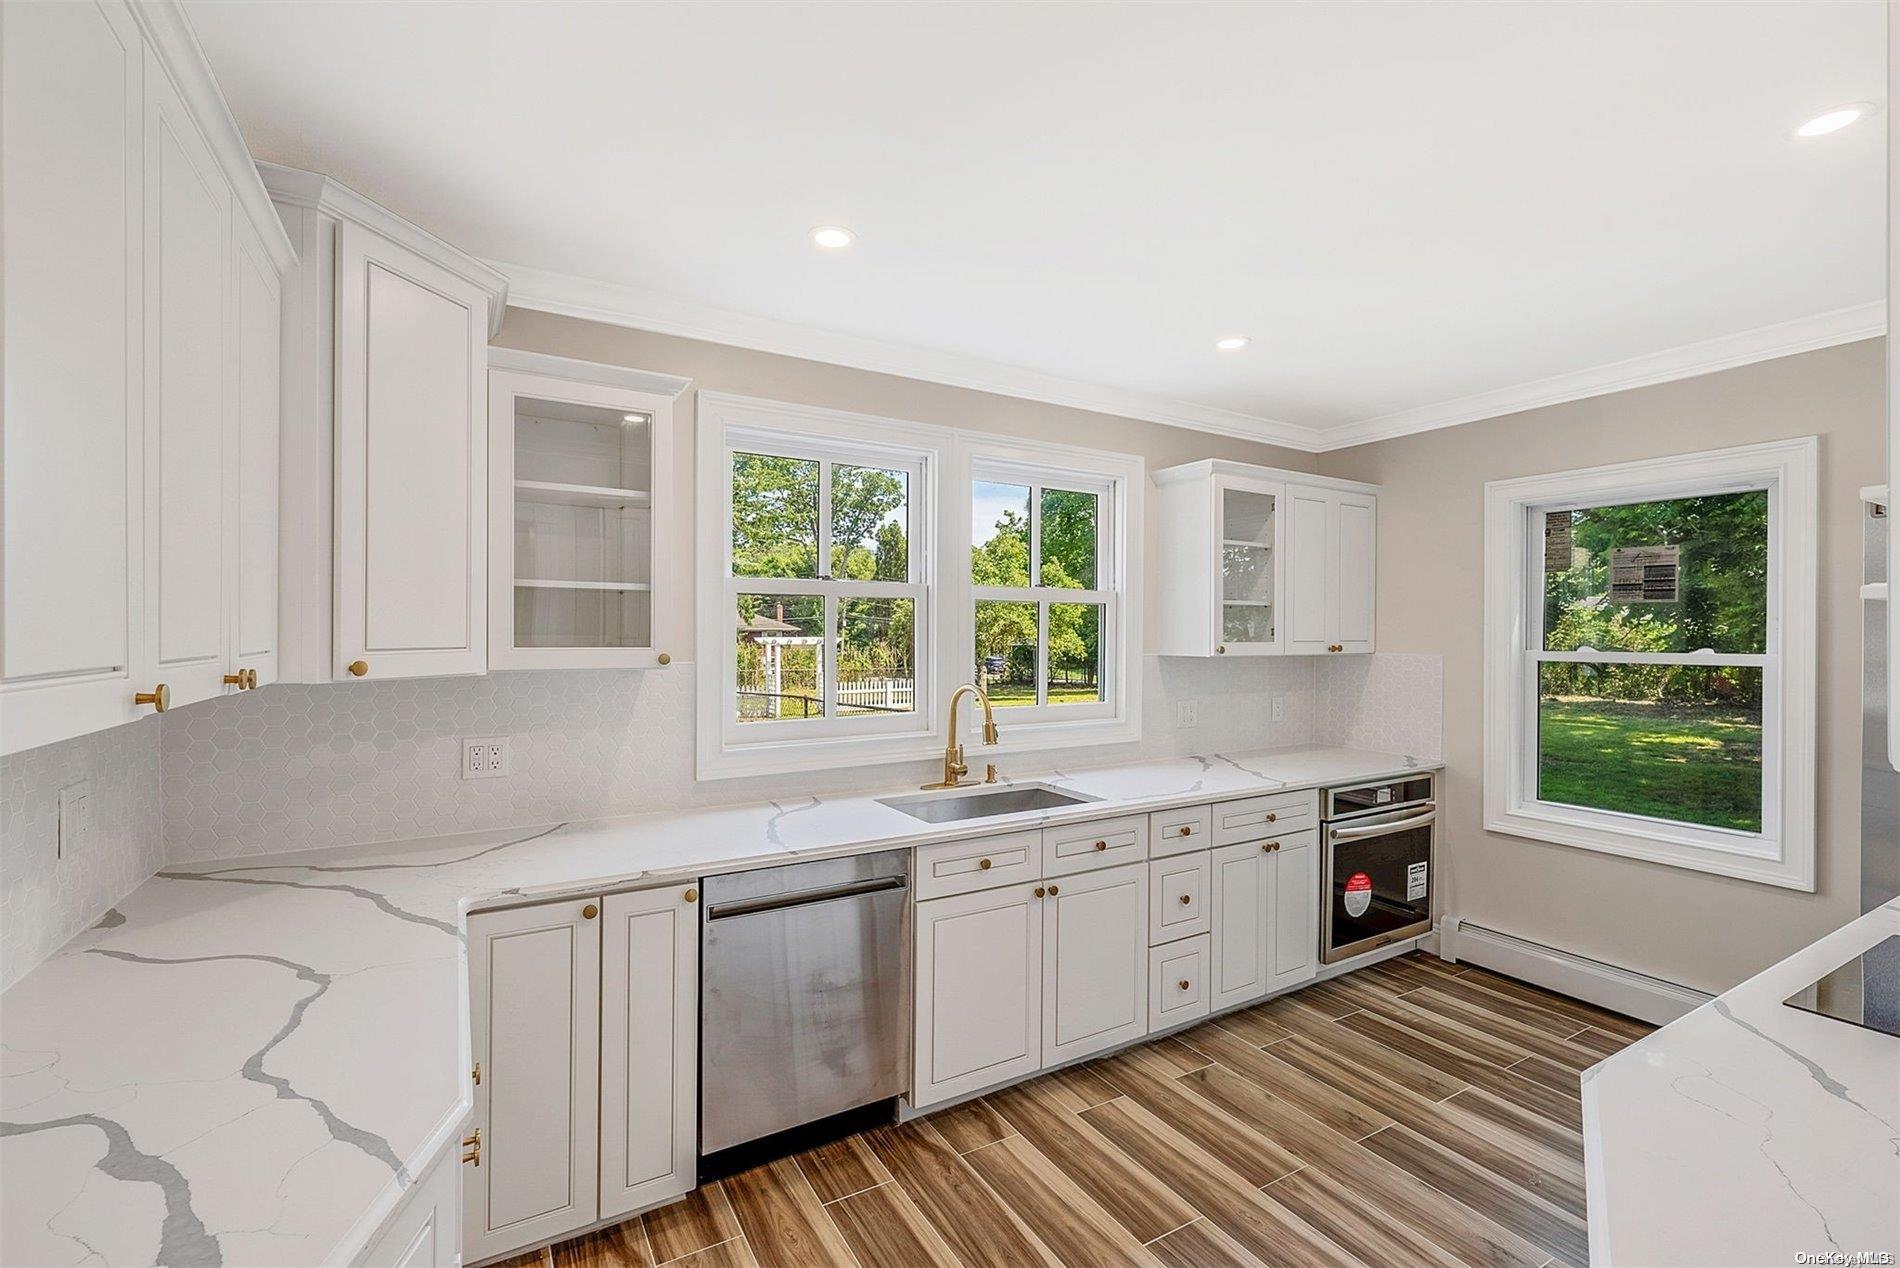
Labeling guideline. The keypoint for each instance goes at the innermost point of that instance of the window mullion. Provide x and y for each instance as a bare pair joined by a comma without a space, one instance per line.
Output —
1042,654
824,518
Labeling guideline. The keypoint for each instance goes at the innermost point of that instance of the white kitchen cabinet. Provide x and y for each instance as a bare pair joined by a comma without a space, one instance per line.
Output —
649,1047
187,275
411,464
251,457
1177,983
581,512
426,1230
1178,904
127,186
1257,561
384,528
979,990
534,1002
1094,962
1237,960
1292,925
1331,569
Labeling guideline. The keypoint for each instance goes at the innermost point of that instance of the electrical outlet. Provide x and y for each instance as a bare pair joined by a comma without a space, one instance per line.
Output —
1187,713
485,757
1279,709
75,817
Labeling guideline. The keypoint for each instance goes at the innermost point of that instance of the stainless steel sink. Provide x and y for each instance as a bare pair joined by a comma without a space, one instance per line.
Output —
983,802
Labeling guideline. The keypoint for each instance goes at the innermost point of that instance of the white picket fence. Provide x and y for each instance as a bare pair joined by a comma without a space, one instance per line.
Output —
878,693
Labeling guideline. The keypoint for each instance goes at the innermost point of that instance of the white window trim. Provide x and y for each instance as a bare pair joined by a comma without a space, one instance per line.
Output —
946,617
1783,853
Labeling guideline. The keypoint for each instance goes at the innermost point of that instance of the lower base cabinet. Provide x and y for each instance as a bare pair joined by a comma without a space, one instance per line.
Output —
584,1017
425,1230
1013,979
1265,904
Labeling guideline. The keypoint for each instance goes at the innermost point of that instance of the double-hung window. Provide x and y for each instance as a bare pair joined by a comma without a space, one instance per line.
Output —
1045,603
839,599
1650,660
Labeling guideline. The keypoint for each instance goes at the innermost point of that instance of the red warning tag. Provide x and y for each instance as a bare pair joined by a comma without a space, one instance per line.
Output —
1358,894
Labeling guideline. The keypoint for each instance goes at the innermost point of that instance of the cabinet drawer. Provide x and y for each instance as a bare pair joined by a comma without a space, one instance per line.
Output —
1177,898
1181,830
1252,818
1177,982
960,867
1083,847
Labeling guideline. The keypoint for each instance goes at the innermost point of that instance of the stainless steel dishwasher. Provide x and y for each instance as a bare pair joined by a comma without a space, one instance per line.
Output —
802,1003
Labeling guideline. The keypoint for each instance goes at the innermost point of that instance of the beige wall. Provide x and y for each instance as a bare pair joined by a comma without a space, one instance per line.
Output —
717,367
1703,931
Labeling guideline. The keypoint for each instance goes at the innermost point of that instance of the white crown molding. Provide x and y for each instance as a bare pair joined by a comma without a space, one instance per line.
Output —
574,370
333,198
1764,343
642,309
176,46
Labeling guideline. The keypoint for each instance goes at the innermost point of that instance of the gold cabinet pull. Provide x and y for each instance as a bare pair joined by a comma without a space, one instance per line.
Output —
235,680
691,895
1053,891
1185,830
589,912
1039,891
1221,649
1101,845
1187,900
358,668
473,1143
250,680
159,697
1183,984
982,865
476,1074
1272,817
665,659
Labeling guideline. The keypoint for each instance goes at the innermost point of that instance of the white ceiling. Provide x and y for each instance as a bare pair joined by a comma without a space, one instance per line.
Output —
1421,212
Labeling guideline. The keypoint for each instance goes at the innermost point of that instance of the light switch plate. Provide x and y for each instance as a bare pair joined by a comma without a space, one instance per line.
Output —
1187,713
485,757
75,817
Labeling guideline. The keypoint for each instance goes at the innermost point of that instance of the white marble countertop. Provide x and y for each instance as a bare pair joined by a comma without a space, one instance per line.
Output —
1749,1132
248,1063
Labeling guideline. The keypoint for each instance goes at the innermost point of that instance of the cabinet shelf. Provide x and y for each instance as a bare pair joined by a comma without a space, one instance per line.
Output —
582,495
1244,543
1246,603
525,583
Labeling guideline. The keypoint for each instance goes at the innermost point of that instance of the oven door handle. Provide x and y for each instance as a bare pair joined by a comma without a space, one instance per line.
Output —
1351,833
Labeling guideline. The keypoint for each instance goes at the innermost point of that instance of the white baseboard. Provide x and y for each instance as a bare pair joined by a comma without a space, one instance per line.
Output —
1620,990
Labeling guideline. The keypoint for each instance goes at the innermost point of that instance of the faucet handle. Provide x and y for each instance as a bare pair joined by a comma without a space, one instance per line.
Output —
989,731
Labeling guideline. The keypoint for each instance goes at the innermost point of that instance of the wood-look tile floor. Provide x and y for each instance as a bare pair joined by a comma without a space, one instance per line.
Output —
1412,1112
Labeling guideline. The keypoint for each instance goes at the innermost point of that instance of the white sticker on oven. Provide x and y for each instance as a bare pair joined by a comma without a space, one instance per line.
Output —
1415,881
1358,894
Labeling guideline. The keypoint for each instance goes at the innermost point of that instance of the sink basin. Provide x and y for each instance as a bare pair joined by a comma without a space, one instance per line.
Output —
983,802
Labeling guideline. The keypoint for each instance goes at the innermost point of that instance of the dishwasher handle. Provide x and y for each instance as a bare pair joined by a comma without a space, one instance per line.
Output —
804,898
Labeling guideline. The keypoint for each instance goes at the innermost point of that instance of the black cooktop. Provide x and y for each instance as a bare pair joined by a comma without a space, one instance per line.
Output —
1865,991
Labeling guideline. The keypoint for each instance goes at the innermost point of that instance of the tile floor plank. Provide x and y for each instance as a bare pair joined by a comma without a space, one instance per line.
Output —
1537,996
700,1219
1134,1198
1562,1141
1326,1203
1345,1114
1550,1075
1065,1219
969,1217
783,1220
1465,1181
1254,1025
1250,1216
840,1168
1599,1043
1201,1245
1253,1156
736,1253
1479,1044
622,1246
971,1125
886,1230
1564,1052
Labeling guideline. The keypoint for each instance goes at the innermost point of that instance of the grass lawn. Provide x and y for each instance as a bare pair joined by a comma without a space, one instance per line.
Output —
1694,763
1004,695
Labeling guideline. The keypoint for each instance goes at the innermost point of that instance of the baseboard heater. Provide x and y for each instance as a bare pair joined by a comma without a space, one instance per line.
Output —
1606,985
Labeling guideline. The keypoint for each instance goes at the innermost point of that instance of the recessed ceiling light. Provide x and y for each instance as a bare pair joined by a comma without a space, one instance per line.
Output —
833,237
1835,119
1231,342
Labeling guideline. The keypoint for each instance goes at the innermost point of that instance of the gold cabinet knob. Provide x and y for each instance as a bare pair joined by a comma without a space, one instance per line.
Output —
1101,845
1272,817
1185,830
250,680
1039,891
982,865
589,912
1186,899
1183,984
665,659
691,895
359,667
1053,891
1221,649
159,697
235,680
473,1143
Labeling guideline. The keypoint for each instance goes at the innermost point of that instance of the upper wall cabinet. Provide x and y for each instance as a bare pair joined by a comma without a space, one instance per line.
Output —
1261,562
385,513
139,284
580,465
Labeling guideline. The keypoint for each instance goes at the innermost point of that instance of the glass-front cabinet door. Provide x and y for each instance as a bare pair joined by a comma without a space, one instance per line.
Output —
1247,583
579,530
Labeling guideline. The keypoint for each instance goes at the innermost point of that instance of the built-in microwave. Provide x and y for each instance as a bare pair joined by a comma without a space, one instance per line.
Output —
1376,844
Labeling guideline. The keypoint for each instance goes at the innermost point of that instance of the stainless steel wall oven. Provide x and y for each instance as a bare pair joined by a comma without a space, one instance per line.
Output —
1376,841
